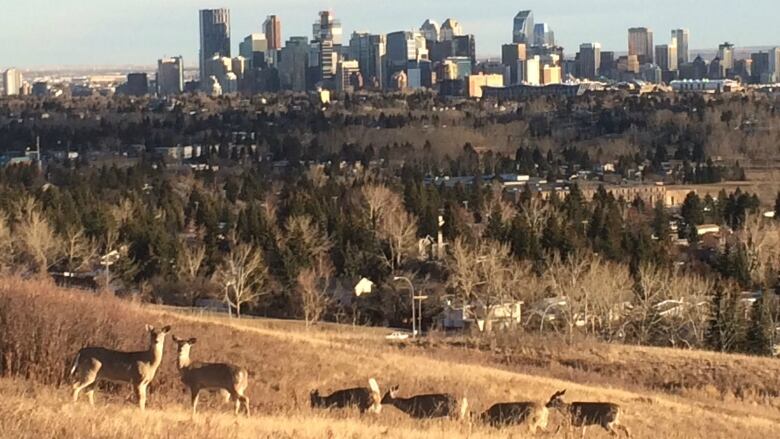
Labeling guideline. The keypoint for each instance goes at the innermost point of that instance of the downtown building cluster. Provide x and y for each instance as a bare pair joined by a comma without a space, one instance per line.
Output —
436,57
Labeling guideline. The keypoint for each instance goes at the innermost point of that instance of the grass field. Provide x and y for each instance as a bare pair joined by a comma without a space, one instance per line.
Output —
664,393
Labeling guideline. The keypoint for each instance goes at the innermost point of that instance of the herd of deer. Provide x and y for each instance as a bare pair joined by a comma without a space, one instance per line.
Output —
93,364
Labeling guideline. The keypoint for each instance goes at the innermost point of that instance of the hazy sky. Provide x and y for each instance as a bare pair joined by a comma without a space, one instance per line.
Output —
36,33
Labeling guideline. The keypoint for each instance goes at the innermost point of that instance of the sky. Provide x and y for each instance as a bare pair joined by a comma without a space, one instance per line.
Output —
49,33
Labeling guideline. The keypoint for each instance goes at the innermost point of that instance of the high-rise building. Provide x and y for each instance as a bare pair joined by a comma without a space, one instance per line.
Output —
774,63
531,69
137,84
12,82
607,65
640,43
293,64
726,55
666,56
272,27
464,45
543,35
590,60
328,36
511,56
214,36
327,27
450,29
254,49
170,76
523,29
368,50
430,30
344,74
682,36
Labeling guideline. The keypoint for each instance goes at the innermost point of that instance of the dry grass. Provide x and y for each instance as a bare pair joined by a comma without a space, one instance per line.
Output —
288,361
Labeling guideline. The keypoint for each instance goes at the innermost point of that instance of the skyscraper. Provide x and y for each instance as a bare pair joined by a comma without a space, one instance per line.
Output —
666,56
640,43
430,30
367,50
12,81
450,29
543,35
293,64
511,56
253,49
590,60
774,63
682,36
328,36
272,27
170,76
523,29
214,37
137,84
726,55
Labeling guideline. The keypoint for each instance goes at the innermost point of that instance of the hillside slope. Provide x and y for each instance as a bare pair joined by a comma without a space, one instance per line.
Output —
41,327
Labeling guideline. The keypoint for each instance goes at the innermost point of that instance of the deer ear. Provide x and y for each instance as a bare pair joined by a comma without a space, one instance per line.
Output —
166,329
193,340
149,328
176,339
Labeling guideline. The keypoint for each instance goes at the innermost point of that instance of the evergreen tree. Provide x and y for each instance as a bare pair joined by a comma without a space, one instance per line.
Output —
758,338
661,227
724,330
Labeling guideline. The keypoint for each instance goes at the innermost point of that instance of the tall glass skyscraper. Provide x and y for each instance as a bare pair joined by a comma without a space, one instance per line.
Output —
682,36
523,30
214,37
543,35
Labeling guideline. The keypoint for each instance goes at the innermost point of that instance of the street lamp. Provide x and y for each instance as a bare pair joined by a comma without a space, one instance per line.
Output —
107,261
414,317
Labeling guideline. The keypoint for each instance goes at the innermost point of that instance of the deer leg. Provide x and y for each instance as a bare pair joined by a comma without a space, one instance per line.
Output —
80,385
584,427
140,392
245,402
194,394
90,389
624,429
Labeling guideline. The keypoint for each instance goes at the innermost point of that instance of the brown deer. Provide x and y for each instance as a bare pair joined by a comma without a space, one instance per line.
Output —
228,378
435,405
93,364
364,398
515,413
583,414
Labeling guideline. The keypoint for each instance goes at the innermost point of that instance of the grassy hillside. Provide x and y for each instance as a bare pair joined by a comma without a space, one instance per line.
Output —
665,393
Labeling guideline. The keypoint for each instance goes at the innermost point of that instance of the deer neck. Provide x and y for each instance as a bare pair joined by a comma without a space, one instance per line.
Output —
156,352
183,361
403,404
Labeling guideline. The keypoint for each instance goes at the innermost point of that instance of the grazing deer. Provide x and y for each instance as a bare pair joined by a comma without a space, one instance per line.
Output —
364,398
136,368
436,405
583,414
198,376
515,413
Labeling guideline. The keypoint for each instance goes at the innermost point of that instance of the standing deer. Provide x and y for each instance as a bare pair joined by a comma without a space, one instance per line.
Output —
198,376
435,405
583,414
514,413
364,398
136,368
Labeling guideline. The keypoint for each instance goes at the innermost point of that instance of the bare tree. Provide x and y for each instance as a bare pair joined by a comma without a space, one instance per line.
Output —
244,275
315,242
380,200
313,292
189,261
78,250
399,229
37,242
761,239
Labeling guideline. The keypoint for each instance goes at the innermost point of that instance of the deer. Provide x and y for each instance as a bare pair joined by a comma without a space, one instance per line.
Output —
364,398
584,414
228,378
94,364
515,413
435,405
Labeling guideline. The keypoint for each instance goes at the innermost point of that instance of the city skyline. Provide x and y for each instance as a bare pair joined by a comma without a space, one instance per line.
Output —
135,34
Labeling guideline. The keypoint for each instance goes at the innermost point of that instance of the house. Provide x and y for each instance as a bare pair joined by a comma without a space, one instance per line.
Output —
705,229
486,318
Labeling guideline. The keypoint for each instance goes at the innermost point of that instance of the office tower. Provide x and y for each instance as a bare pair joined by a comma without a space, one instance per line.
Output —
272,27
530,70
523,29
726,55
511,56
682,36
699,68
137,84
401,48
328,36
551,74
743,68
590,60
12,81
344,76
464,45
253,49
543,35
368,50
170,76
430,30
666,56
640,43
293,64
774,63
214,36
760,67
328,28
450,29
716,69
651,73
607,65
